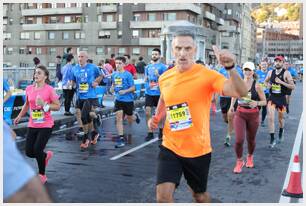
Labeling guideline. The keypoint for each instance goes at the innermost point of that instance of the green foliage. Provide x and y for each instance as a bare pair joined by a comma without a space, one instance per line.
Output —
266,11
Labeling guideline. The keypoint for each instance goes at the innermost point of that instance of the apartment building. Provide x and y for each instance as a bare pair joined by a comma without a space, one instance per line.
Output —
47,29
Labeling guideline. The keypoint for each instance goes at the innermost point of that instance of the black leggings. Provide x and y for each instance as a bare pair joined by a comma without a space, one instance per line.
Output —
264,109
36,142
68,96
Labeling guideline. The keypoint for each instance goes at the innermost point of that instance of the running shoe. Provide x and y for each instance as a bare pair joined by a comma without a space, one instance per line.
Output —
95,138
85,145
150,136
239,166
137,118
227,141
272,145
120,143
213,107
262,124
281,138
160,135
249,163
43,178
48,157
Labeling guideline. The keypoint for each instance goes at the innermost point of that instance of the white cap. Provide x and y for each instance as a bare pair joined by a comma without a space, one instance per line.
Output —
249,65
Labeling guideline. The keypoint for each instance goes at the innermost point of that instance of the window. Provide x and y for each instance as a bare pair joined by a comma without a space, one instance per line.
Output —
7,36
100,51
109,50
121,51
53,20
79,35
38,20
119,34
38,50
99,18
120,18
169,16
136,51
152,17
67,19
29,20
53,5
104,35
51,35
36,35
84,49
39,6
4,21
150,51
52,50
24,35
86,18
67,5
51,64
9,50
65,35
87,5
109,17
229,12
154,33
135,34
136,17
11,21
79,5
22,50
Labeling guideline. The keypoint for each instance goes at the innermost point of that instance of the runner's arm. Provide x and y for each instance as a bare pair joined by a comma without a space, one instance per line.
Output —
288,78
262,96
160,112
267,80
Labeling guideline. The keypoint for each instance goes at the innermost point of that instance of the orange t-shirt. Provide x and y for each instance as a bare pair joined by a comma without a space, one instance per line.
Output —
187,98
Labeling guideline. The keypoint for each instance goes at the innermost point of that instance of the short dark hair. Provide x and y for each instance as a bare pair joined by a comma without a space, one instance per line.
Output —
123,59
89,61
184,32
68,49
140,58
69,57
127,55
107,61
36,60
112,55
156,49
58,56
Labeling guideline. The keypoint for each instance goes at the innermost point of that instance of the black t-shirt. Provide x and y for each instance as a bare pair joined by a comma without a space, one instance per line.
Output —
140,67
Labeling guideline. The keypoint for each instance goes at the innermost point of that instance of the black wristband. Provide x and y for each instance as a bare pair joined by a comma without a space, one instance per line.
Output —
230,67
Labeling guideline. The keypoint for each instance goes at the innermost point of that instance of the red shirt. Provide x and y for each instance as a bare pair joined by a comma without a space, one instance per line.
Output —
112,62
130,68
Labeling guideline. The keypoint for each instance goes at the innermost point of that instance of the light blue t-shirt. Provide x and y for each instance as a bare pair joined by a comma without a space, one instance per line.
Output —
152,78
67,74
121,81
292,72
224,72
84,77
261,78
16,171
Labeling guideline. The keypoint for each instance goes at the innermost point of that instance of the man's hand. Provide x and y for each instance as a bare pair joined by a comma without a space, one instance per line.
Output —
153,123
277,80
39,101
122,92
224,57
94,84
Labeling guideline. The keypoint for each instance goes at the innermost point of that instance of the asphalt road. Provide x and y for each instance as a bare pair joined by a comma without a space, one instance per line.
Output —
90,176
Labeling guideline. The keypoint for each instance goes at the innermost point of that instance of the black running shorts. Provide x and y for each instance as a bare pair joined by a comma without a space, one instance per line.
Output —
127,107
151,101
171,167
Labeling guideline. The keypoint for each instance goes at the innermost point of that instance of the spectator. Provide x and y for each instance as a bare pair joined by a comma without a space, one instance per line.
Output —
58,61
36,63
68,51
112,61
130,67
140,67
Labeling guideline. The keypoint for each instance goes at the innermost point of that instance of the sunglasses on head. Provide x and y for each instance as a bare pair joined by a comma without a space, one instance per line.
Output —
247,69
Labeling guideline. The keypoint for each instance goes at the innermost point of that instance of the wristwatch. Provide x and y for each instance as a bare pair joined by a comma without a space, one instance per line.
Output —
46,107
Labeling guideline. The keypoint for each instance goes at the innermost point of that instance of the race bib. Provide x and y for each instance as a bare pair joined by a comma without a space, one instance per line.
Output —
38,116
118,82
84,87
179,117
245,100
263,86
153,85
276,88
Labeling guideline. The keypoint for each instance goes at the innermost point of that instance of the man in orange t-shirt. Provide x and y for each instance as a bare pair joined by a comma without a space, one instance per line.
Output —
186,92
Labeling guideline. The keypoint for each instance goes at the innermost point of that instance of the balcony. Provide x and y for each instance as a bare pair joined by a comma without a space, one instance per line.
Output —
59,26
107,8
4,27
51,11
229,29
210,16
108,25
149,41
221,21
149,24
168,7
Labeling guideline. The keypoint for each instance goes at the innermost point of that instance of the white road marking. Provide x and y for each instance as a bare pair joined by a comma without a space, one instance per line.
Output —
134,149
295,151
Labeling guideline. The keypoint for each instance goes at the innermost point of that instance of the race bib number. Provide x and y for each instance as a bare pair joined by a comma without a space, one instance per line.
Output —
84,87
118,82
38,116
179,117
276,88
153,85
245,100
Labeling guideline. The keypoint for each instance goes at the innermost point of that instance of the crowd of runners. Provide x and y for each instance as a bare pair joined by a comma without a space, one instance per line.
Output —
178,102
